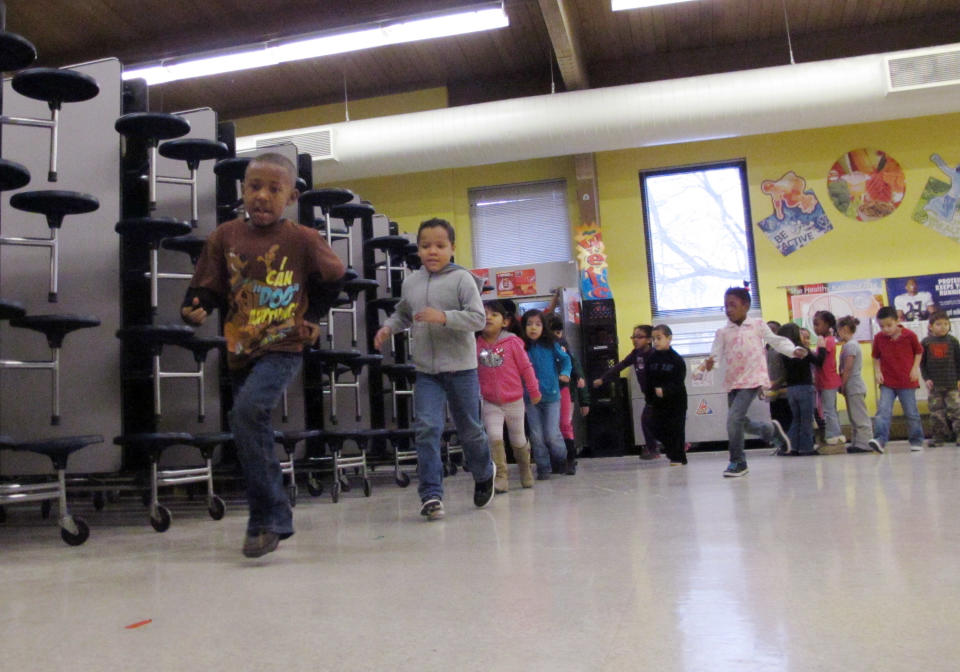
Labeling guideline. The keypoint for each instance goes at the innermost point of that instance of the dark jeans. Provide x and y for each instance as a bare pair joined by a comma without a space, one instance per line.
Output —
256,392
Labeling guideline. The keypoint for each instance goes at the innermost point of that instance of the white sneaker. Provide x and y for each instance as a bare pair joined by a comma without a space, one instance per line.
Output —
834,440
875,445
916,449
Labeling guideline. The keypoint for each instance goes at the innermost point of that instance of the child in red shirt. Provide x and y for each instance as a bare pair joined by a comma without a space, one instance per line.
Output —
897,354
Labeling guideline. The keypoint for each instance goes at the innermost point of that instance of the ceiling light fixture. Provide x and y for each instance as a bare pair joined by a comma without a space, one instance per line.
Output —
469,20
618,5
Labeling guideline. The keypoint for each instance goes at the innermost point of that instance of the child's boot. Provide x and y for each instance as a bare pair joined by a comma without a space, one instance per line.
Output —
571,456
499,454
523,464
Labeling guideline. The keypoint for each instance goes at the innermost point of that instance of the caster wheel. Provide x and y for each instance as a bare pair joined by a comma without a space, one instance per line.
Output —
83,531
314,488
292,495
367,488
216,508
446,471
162,522
99,501
344,485
403,480
335,492
453,468
45,507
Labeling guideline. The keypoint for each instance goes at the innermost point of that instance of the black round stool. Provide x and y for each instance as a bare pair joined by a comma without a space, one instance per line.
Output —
395,250
362,438
207,443
352,289
16,52
348,213
233,170
193,151
404,452
325,199
55,205
11,309
289,440
13,175
151,128
151,231
152,337
153,444
54,87
73,530
199,346
401,377
190,245
55,328
329,360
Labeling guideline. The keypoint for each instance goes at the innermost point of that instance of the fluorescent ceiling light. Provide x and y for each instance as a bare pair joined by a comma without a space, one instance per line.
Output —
618,5
313,46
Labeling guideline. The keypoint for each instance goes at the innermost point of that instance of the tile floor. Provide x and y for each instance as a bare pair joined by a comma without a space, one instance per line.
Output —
847,563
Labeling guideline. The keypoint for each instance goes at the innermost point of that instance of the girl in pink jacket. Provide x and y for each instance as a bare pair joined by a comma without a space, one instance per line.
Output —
504,370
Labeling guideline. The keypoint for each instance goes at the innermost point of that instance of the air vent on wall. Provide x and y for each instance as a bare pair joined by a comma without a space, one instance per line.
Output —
317,143
933,67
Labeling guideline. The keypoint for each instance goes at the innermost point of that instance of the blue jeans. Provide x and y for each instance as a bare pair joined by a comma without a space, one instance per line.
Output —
828,398
256,392
802,400
461,389
738,402
908,400
545,437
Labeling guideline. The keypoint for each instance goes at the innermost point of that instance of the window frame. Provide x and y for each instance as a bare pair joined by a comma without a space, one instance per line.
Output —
695,314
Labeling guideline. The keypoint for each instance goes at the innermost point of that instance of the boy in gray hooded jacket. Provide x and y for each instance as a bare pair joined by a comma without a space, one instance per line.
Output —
441,305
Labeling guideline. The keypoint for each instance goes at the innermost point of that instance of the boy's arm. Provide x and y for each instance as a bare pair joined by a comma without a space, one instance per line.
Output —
924,365
917,355
676,382
208,286
470,316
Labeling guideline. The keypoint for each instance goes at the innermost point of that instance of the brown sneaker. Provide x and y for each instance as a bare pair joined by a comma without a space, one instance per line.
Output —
260,544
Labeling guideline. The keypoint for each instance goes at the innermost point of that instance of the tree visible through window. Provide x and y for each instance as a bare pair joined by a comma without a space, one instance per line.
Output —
699,240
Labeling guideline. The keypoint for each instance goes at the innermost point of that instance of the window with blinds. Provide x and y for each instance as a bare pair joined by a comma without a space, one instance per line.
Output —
517,224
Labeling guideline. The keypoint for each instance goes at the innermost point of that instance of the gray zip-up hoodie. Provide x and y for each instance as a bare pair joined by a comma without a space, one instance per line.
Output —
441,348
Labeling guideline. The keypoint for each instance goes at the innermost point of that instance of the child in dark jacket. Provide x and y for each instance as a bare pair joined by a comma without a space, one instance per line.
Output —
666,394
801,394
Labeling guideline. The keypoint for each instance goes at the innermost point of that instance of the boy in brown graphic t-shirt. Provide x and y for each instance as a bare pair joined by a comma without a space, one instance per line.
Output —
260,269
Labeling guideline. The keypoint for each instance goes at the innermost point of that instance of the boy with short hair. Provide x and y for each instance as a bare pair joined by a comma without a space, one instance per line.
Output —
260,268
940,366
896,354
441,302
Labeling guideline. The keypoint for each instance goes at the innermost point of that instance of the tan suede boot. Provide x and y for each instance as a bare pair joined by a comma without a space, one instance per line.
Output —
522,454
499,454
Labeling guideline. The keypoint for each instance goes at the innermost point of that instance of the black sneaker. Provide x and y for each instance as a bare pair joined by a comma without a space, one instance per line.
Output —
432,509
483,491
875,446
571,468
260,544
735,470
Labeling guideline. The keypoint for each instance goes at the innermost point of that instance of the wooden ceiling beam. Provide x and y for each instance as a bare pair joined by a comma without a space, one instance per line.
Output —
566,43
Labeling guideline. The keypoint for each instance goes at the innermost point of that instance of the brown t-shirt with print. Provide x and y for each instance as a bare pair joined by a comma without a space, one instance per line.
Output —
262,273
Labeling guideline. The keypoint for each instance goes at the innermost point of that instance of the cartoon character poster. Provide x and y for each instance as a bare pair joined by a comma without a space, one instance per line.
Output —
517,283
798,218
866,184
592,261
939,204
